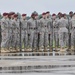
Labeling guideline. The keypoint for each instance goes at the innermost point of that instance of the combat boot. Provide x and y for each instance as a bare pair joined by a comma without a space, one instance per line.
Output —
45,49
40,49
34,50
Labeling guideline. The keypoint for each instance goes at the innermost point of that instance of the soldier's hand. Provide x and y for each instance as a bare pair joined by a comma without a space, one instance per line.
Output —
40,33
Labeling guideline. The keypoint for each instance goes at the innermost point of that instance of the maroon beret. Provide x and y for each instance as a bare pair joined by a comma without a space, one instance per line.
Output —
53,14
44,13
24,14
15,15
59,13
70,12
4,14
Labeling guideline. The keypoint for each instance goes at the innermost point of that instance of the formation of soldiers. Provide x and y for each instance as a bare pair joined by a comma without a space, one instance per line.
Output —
37,34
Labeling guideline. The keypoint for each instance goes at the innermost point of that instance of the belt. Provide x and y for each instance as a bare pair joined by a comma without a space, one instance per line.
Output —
33,28
24,28
14,28
44,26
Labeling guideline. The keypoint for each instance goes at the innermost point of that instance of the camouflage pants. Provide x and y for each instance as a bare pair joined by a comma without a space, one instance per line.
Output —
63,39
5,39
73,37
24,38
15,40
32,39
44,39
55,38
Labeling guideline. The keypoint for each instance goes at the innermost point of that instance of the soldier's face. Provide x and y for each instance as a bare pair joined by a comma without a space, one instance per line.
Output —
6,16
71,15
24,17
65,17
12,16
59,15
47,14
54,17
44,16
36,17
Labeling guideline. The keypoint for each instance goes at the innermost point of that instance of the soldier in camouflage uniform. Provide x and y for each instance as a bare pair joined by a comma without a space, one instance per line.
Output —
50,29
0,36
16,31
72,23
24,33
44,32
63,32
32,31
4,31
70,30
55,30
11,17
37,33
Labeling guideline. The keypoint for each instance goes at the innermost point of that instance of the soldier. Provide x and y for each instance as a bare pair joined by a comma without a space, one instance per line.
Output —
0,36
16,31
37,33
50,29
69,29
24,33
32,31
4,31
11,17
63,32
55,30
72,23
44,32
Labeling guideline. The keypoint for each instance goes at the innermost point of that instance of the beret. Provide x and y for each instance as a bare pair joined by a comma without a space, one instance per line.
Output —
59,13
70,12
15,15
43,13
53,14
24,14
4,14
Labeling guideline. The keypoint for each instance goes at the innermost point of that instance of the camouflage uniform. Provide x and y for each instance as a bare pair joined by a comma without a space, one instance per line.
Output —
72,23
32,31
63,32
9,32
50,34
55,32
44,33
0,34
4,32
15,32
24,33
